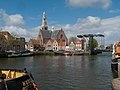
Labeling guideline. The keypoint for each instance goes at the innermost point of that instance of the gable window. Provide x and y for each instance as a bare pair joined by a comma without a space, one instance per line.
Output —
63,40
49,45
61,36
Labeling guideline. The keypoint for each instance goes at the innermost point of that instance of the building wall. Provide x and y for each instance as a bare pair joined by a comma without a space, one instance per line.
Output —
13,43
49,45
55,45
61,37
2,43
72,46
40,38
21,44
33,45
29,46
78,46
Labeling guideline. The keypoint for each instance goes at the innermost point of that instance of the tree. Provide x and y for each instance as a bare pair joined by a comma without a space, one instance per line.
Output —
95,43
13,42
72,39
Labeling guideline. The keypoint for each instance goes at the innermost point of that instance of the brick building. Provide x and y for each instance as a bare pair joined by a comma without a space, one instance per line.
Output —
45,35
10,42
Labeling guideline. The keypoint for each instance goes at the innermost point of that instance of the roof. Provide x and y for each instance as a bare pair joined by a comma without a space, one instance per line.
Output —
55,33
51,40
4,33
77,41
34,41
46,33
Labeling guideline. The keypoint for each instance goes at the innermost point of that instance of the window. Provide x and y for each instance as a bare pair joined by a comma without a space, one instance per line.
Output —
61,36
49,45
63,40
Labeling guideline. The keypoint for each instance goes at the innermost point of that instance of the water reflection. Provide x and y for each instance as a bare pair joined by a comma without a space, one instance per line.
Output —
66,73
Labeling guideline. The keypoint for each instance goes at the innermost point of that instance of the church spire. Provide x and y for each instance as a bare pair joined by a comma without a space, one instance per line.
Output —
44,22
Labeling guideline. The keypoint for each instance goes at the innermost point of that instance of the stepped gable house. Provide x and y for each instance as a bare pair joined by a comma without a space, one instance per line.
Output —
45,35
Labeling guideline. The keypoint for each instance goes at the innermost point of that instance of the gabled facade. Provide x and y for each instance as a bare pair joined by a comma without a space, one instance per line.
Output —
51,45
78,44
45,35
61,38
55,46
33,45
71,46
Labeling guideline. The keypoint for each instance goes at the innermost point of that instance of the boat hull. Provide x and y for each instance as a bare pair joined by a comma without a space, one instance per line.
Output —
20,55
114,66
25,82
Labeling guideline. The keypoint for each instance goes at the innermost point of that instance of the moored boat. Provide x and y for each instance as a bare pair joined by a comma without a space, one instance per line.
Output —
19,54
64,53
13,79
26,53
14,55
115,57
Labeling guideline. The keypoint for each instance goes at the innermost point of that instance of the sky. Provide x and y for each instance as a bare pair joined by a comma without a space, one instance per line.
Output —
24,17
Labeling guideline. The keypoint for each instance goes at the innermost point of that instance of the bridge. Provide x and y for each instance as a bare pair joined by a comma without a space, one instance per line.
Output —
90,36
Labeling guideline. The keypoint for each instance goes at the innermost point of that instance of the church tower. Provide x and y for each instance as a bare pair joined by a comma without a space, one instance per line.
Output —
44,22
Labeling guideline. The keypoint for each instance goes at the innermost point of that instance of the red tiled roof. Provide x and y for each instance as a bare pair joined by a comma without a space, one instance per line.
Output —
78,41
34,41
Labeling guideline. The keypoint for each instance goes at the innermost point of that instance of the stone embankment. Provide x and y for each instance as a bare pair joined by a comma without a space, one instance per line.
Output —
116,84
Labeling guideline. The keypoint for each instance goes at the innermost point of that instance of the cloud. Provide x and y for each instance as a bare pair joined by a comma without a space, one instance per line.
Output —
14,24
110,27
15,20
15,30
22,32
89,3
12,20
114,11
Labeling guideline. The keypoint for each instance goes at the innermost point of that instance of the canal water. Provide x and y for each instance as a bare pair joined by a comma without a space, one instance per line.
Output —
66,72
